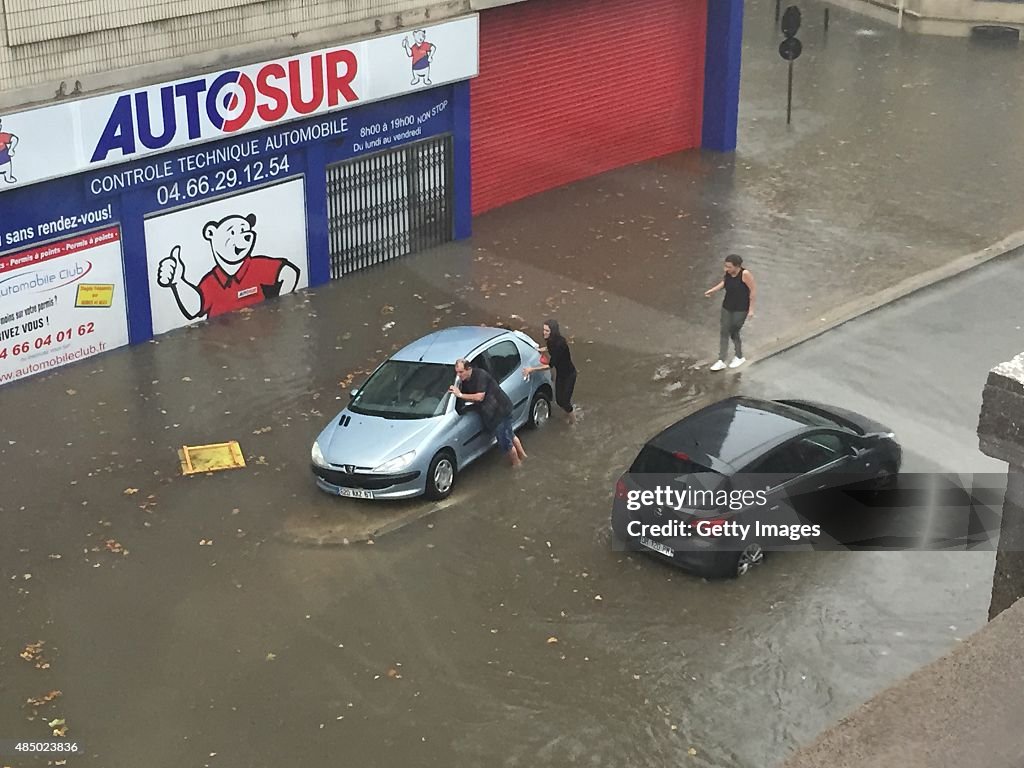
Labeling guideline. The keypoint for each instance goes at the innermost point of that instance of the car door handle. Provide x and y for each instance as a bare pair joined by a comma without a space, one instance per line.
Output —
824,485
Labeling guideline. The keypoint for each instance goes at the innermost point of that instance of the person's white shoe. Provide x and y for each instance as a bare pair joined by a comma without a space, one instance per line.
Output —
737,362
718,366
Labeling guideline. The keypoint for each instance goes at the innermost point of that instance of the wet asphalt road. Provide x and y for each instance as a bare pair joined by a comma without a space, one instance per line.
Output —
431,646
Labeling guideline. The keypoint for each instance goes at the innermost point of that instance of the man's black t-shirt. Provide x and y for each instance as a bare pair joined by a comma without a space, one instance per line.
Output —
496,405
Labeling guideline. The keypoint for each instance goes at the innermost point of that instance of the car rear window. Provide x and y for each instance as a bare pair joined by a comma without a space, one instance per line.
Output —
652,460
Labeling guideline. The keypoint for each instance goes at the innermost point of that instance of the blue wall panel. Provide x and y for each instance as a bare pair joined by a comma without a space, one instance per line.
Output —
724,52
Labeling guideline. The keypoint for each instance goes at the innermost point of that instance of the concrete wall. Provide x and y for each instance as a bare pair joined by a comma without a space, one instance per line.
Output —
71,48
941,17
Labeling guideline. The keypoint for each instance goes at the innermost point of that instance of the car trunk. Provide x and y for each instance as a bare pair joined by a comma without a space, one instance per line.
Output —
657,468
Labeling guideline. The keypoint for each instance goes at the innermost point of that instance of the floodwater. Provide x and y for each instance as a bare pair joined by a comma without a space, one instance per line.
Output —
181,628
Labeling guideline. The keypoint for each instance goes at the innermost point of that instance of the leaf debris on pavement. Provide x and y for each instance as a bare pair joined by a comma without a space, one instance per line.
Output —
37,702
113,545
33,653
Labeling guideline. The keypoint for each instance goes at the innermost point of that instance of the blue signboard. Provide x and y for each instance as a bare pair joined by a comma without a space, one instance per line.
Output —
213,227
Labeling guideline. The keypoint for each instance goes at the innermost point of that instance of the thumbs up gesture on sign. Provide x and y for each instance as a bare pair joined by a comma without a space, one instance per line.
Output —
171,269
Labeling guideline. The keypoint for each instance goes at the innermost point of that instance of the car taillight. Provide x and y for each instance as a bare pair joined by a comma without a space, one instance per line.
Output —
681,456
620,490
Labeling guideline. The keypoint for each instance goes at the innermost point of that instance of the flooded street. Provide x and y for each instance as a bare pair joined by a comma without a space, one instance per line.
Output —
437,644
183,626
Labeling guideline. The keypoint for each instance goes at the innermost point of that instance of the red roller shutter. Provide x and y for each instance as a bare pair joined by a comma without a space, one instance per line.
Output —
571,88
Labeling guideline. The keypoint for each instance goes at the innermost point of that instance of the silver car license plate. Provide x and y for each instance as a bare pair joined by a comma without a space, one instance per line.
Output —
355,493
656,546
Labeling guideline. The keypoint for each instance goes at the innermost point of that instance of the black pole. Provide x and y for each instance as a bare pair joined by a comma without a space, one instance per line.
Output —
778,4
789,95
826,19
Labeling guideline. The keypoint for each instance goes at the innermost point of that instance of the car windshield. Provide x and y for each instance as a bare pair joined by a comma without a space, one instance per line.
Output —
405,390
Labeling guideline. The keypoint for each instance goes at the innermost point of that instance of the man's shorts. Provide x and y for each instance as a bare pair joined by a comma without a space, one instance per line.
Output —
504,435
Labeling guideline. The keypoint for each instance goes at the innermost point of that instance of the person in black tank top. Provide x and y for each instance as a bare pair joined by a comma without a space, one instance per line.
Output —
737,307
560,361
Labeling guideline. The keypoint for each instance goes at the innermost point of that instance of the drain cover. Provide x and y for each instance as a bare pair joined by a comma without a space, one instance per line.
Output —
210,458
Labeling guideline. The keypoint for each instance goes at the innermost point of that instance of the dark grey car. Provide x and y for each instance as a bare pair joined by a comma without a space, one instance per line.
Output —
780,450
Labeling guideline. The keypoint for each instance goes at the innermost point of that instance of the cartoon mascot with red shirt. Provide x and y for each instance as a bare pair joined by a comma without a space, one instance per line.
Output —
422,54
238,279
8,141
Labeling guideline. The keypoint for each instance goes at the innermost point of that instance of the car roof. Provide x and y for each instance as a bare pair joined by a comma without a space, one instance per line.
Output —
726,434
449,344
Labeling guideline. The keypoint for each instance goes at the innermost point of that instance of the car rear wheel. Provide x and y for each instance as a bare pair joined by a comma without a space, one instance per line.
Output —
540,409
441,476
751,556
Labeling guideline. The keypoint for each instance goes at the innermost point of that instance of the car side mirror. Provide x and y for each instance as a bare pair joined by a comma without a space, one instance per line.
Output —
352,393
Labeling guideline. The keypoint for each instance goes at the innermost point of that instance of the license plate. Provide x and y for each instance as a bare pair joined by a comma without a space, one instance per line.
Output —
656,546
355,493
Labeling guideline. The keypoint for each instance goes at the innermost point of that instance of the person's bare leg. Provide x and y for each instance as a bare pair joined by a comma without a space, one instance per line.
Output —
517,446
513,457
570,417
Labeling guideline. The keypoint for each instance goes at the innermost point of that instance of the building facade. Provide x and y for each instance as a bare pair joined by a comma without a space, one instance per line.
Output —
137,202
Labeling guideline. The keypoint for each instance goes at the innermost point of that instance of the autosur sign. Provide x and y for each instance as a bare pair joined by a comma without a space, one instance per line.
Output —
76,136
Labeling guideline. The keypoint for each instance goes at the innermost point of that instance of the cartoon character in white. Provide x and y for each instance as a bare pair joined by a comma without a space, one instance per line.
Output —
422,54
8,141
238,279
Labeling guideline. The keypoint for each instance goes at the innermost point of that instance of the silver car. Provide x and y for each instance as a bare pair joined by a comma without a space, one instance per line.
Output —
403,434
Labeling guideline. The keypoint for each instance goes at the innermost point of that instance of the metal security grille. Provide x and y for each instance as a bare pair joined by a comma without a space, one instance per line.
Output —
389,204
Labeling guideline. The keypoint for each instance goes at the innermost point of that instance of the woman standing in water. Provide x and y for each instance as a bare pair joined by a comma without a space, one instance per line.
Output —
559,361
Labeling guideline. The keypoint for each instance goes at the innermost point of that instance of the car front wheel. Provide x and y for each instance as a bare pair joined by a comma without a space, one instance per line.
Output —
540,409
441,476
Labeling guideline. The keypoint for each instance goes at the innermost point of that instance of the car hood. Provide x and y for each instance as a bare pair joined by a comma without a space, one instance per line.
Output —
369,441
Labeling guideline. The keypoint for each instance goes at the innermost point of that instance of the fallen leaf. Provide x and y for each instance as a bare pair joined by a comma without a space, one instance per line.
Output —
271,656
130,491
552,640
46,698
72,392
33,653
691,752
387,309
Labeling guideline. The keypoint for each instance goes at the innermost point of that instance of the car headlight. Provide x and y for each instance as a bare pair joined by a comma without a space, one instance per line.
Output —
317,456
397,463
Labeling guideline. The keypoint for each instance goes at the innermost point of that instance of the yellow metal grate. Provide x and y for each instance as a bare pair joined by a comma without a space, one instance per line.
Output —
210,458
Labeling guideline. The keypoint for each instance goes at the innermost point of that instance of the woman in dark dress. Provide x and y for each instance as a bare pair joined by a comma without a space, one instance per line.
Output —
560,362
